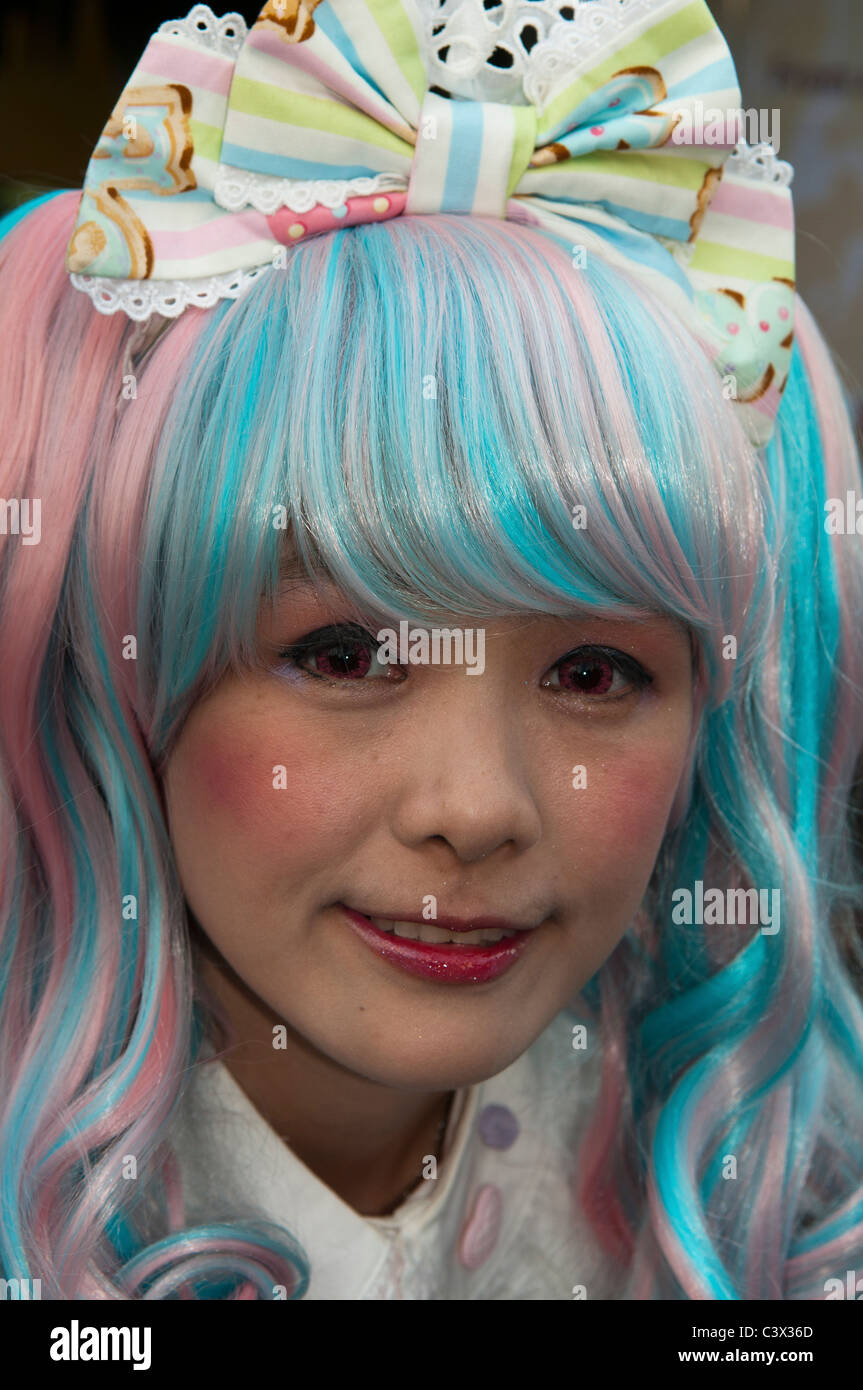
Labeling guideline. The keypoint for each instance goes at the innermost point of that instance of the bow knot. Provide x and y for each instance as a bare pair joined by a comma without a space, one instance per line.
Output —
469,155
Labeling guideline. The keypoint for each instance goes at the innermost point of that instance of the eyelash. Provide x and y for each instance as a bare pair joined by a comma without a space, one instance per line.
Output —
335,635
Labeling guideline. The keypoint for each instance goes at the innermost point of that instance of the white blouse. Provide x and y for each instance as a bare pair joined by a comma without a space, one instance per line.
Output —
498,1221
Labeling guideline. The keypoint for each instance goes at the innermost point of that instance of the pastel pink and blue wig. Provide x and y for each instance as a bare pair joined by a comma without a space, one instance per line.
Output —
554,385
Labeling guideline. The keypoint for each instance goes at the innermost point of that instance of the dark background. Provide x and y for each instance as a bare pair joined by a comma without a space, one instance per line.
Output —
63,66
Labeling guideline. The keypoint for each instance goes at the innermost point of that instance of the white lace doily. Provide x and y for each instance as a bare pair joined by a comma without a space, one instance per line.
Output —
516,50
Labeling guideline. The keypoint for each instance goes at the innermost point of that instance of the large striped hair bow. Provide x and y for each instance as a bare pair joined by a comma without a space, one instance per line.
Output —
614,123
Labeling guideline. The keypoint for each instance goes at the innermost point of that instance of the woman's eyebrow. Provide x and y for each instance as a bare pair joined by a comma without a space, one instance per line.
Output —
642,619
288,583
295,578
293,574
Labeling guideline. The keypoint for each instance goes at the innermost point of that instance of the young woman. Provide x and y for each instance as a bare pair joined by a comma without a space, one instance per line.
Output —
428,724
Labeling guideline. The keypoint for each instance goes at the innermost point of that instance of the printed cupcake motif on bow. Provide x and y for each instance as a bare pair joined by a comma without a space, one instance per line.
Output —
756,335
146,146
291,19
619,116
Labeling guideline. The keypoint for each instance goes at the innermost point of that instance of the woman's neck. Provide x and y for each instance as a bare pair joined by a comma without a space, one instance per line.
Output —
366,1141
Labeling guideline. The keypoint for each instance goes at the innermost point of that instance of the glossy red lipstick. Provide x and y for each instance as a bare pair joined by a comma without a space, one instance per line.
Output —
450,964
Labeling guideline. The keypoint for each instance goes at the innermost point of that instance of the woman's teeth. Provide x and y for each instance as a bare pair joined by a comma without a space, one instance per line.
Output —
425,931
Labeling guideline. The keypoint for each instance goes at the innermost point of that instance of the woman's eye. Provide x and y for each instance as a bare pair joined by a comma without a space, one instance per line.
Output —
338,654
598,671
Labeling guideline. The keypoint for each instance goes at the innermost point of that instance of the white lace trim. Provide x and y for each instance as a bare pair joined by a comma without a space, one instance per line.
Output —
760,162
141,298
220,34
239,188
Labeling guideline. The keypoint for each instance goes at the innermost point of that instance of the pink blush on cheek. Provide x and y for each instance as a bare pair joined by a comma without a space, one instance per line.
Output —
636,802
222,783
239,795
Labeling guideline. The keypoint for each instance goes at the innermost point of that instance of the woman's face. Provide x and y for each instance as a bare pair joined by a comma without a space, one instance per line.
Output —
536,792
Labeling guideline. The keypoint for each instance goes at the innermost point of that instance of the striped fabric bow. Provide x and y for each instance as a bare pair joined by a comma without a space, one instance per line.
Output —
587,119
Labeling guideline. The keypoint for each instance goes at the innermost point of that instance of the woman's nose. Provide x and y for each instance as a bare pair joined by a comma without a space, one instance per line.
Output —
468,778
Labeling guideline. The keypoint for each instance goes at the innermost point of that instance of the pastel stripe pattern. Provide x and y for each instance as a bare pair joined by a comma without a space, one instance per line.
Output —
322,115
470,155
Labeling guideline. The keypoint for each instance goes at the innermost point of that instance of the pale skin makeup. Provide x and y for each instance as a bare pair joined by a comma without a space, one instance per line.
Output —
401,783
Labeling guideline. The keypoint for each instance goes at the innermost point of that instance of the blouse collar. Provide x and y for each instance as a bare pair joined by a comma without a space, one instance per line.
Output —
506,1160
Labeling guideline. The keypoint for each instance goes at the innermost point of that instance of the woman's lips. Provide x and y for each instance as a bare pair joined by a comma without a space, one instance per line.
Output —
462,962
